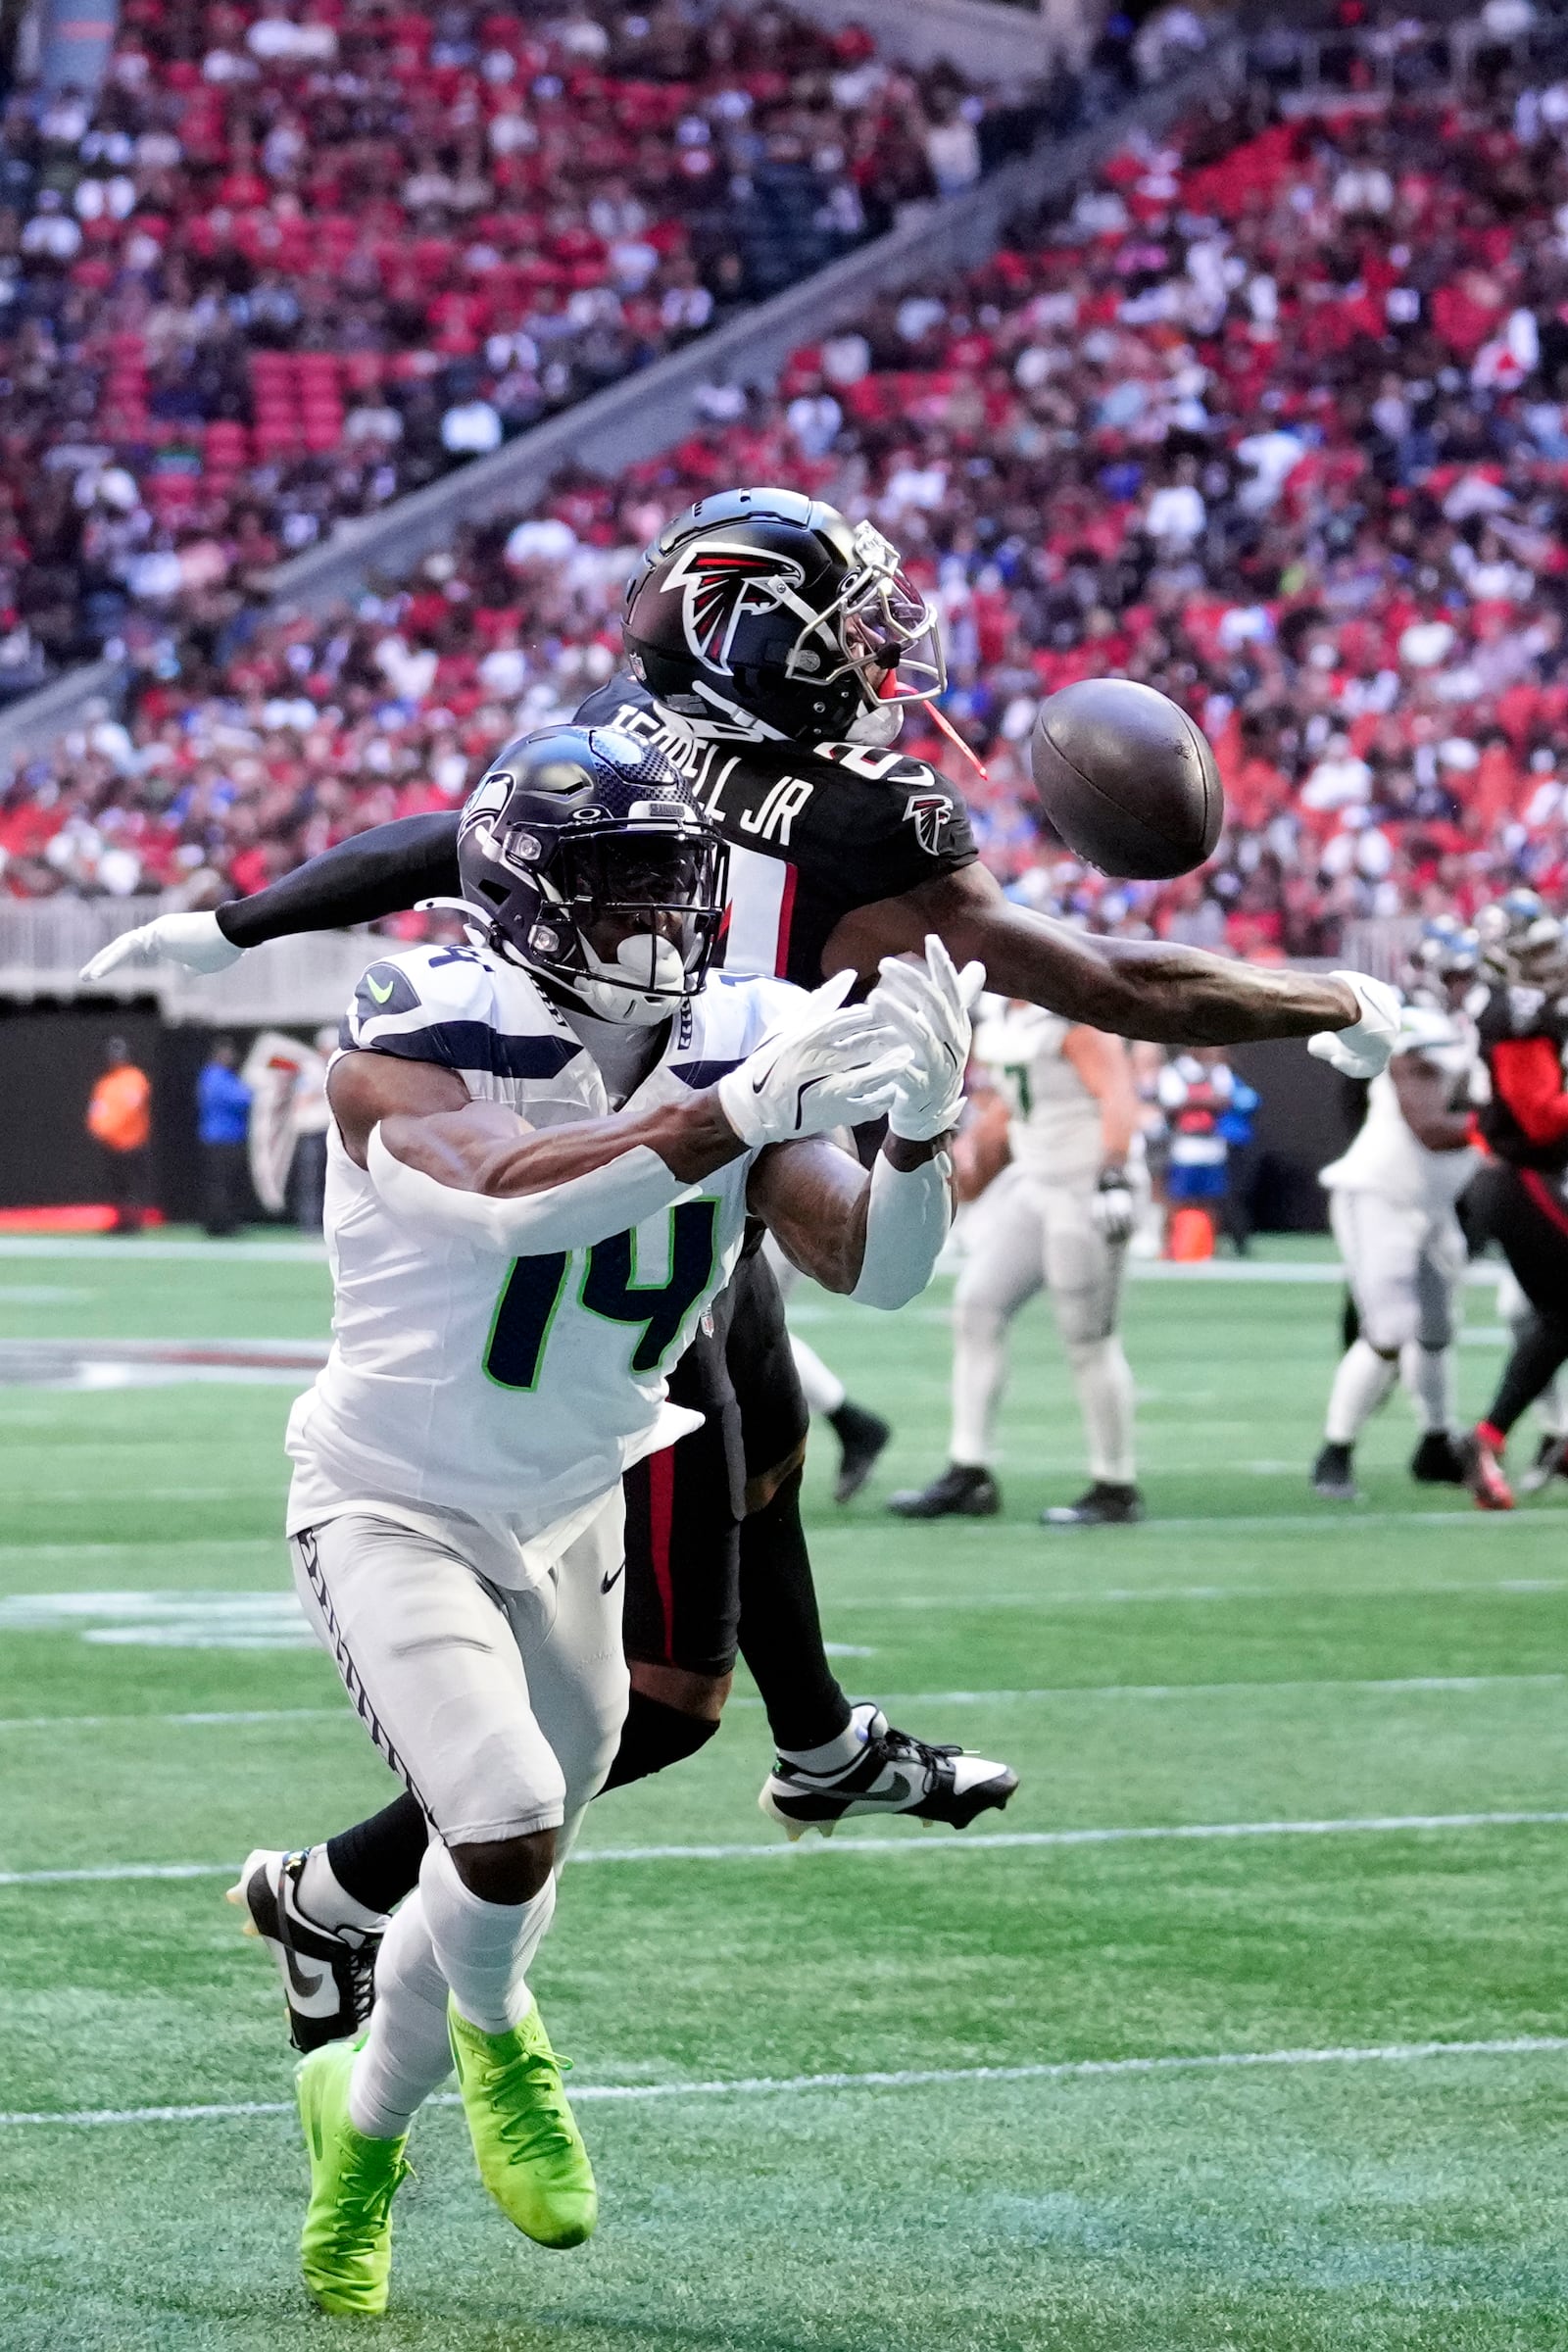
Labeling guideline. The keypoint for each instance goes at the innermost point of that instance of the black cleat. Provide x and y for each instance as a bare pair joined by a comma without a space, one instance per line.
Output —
328,1973
894,1772
1436,1461
861,1437
1102,1504
962,1491
1334,1475
1551,1461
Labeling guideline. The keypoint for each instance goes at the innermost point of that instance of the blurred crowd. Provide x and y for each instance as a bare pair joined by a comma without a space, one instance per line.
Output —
303,256
1273,419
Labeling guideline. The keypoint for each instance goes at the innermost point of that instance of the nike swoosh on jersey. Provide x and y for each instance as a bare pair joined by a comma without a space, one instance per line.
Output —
608,1584
379,993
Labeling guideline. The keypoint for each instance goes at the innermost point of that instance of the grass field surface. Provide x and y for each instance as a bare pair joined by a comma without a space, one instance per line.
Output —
1244,2025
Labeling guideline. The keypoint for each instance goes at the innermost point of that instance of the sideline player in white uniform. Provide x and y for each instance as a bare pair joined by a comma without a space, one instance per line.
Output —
1063,1113
516,1260
1391,1199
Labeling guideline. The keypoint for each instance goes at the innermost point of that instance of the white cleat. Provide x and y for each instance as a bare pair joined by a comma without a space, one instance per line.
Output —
328,1972
893,1774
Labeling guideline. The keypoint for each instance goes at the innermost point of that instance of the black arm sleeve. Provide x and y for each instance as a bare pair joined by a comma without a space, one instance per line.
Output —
380,872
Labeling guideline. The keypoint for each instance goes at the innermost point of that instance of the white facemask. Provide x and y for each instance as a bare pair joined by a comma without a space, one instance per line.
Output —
882,724
622,991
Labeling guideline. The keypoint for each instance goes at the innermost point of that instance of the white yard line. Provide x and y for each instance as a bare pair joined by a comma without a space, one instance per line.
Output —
1038,1596
219,1718
151,1245
907,1845
758,2086
1075,1690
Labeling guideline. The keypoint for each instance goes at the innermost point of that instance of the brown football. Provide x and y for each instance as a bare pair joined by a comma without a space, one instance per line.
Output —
1127,779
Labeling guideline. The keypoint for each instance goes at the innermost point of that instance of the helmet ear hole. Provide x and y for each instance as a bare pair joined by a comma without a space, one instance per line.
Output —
495,892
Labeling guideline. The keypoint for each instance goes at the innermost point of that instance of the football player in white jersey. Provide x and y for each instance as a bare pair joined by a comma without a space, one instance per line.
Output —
535,1188
1391,1205
1061,1111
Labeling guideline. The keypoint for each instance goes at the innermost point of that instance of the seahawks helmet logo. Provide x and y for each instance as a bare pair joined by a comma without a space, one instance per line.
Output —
720,584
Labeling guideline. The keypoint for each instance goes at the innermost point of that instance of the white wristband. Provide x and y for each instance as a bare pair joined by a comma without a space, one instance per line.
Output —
907,1223
563,1216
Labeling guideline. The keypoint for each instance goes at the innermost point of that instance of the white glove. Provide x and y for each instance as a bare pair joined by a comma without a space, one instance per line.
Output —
926,1007
1362,1049
192,940
1112,1211
827,1065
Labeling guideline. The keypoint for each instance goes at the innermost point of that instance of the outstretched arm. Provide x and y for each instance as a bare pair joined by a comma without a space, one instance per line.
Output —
380,872
1136,988
475,1172
369,875
871,1236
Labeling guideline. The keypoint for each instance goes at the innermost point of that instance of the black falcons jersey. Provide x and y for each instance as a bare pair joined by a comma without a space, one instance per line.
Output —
815,831
1523,1033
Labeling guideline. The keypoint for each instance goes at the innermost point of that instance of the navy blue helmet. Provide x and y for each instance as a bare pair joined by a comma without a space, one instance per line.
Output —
594,864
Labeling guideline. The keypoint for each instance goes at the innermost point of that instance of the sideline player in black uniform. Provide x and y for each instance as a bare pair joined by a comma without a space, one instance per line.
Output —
770,646
1520,1199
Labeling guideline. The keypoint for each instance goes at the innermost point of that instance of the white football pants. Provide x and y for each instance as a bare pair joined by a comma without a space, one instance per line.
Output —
1404,1267
501,1706
1025,1236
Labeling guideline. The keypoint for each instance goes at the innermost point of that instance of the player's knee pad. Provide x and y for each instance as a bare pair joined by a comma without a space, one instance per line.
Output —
506,1870
977,1318
653,1738
1086,1319
1088,1354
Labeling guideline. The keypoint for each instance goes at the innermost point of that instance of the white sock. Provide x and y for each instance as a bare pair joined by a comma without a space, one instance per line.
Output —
1550,1409
1362,1382
979,1369
406,2054
1104,1380
324,1899
834,1755
823,1389
1428,1377
484,1949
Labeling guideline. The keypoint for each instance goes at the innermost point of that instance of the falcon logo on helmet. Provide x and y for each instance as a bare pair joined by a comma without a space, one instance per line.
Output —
762,613
720,584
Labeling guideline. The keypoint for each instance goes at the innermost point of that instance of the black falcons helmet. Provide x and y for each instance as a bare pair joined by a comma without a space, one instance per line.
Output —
763,605
593,865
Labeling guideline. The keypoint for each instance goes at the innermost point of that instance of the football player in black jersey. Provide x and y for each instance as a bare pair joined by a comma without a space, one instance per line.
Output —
1520,1199
771,647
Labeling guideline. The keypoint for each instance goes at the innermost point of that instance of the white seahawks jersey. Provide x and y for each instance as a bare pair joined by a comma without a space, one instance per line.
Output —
1386,1157
512,1390
1054,1129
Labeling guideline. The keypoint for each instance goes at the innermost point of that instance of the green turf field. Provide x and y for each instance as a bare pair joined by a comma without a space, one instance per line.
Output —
1164,2092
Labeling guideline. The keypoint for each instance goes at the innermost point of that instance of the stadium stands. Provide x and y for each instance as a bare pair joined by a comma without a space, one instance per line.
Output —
1363,599
302,258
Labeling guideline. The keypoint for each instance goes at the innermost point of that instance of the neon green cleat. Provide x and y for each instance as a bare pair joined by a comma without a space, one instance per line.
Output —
525,2138
346,2244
